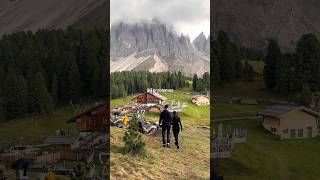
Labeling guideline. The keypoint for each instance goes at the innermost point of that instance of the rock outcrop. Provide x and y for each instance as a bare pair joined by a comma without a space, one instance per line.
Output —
156,47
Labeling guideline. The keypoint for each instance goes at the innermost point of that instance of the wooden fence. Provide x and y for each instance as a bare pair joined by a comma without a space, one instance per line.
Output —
58,156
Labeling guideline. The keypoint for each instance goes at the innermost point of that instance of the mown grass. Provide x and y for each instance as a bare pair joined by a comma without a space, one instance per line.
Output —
192,161
30,129
265,157
257,65
245,89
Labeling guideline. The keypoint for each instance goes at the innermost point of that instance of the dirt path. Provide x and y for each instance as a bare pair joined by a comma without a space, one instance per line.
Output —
283,168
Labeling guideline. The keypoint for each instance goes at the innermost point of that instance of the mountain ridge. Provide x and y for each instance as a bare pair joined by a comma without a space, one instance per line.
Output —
253,22
24,15
156,42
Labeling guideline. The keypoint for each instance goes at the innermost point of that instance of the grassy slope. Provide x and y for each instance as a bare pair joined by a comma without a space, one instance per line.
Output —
263,156
257,65
32,127
192,161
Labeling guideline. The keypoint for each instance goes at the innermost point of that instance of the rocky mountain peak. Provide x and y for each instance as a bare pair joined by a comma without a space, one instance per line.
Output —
152,44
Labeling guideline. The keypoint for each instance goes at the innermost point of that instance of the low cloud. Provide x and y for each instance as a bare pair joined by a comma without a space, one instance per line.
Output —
187,16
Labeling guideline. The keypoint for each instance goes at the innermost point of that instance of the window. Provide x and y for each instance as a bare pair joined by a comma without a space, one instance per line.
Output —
271,129
274,129
92,120
292,133
300,132
285,131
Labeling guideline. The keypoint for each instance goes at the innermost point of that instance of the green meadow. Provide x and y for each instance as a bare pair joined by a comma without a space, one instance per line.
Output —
191,161
263,156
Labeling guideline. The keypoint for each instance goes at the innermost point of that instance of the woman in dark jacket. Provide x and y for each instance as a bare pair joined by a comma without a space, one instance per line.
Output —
176,125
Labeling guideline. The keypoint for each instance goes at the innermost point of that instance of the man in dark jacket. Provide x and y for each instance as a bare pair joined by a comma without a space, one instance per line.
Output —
165,122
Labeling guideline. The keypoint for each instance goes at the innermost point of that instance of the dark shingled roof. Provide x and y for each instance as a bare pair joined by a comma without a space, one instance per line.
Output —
157,95
281,110
86,112
60,140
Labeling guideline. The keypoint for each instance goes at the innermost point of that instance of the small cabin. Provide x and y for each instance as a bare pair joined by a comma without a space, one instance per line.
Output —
128,109
155,108
200,100
290,122
93,120
149,98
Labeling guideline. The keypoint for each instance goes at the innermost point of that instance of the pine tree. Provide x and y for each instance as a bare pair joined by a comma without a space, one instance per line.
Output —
195,82
74,83
54,88
122,91
114,91
39,99
15,95
308,54
273,56
132,139
305,95
225,57
214,69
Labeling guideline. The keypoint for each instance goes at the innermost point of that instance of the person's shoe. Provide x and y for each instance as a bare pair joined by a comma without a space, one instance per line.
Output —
178,147
164,145
168,145
176,143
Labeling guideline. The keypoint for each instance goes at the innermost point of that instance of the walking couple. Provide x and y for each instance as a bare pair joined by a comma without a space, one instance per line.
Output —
166,121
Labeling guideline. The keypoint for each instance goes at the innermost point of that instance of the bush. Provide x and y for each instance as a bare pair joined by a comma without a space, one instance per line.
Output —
134,143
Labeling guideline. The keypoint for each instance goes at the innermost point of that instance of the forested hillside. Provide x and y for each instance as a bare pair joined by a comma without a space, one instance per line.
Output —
42,70
227,60
293,73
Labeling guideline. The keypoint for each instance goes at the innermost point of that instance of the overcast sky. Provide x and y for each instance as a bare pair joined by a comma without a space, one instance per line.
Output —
187,16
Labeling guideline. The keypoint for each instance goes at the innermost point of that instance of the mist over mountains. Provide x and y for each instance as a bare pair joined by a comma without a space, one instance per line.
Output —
156,47
253,22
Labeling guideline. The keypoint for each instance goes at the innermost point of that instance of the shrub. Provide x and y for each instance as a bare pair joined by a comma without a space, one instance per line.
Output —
134,143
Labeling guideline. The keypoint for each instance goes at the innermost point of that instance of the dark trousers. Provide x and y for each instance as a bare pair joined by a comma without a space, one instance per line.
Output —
164,130
176,136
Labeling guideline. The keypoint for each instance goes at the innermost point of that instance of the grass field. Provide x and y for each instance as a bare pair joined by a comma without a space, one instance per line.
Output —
265,157
192,161
257,66
31,128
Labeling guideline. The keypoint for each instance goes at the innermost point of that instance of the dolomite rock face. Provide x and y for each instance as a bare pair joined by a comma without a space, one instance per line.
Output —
254,22
157,47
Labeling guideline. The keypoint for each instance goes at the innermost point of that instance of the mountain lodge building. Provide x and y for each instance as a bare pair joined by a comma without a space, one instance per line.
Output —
149,98
290,121
92,120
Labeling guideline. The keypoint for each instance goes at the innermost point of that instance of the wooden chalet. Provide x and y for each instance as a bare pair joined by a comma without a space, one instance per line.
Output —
92,120
200,100
128,109
290,122
155,108
149,98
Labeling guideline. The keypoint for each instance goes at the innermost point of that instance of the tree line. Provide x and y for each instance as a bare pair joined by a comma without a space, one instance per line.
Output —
131,82
296,72
227,65
201,84
41,70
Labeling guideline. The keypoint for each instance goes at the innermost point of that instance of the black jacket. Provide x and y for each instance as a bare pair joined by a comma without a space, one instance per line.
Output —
165,118
176,123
